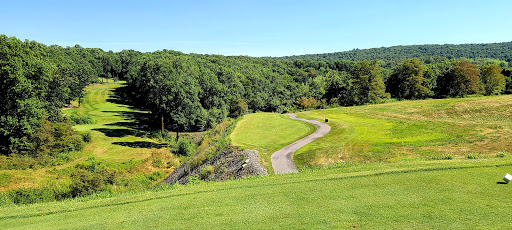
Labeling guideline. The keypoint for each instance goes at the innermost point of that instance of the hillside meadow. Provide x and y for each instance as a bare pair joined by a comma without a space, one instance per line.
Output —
473,127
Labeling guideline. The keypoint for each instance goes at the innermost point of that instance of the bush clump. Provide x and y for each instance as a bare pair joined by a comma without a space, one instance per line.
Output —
446,156
80,120
86,137
185,147
206,172
472,156
501,154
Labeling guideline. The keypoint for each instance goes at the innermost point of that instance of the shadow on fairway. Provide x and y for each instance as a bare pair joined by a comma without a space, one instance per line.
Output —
118,132
140,144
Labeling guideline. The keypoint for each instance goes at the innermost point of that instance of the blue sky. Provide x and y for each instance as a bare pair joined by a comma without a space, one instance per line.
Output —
256,28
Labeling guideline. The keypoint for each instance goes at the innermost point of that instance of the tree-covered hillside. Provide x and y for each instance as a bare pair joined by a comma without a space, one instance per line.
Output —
500,51
193,92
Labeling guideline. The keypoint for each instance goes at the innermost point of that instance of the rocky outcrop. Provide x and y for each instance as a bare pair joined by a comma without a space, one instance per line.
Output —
231,163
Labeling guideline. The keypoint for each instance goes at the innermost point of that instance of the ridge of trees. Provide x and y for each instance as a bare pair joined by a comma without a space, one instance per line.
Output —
500,51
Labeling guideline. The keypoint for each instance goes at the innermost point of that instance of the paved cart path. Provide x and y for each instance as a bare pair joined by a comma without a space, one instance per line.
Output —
282,159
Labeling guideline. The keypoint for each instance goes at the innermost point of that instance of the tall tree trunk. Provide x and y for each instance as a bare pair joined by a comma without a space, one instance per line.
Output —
162,125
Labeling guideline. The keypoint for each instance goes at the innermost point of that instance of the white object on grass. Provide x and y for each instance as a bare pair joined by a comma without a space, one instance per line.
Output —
507,178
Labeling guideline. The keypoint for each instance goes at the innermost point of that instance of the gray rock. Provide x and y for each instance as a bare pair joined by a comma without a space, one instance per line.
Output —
231,163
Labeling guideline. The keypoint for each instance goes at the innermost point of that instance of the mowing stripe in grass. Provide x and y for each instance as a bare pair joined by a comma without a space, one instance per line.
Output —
276,182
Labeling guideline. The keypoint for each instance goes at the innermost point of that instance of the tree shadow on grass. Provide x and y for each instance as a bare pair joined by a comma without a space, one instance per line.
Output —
140,144
137,120
118,132
121,95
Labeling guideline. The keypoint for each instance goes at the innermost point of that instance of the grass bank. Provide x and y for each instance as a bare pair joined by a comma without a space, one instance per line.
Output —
420,195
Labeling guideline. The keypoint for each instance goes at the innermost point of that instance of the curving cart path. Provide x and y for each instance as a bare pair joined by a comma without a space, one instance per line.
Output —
282,159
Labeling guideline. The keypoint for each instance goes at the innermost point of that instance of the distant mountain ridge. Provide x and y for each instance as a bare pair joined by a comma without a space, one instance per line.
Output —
500,51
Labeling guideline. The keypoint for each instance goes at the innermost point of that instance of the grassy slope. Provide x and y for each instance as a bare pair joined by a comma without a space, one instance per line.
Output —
420,195
113,139
411,130
268,132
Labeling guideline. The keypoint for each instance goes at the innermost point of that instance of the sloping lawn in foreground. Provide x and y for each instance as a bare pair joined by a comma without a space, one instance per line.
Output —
419,195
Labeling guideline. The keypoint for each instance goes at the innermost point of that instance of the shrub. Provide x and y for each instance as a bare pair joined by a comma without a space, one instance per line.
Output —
80,120
194,179
86,137
90,177
472,156
306,103
155,176
206,172
185,147
17,162
501,154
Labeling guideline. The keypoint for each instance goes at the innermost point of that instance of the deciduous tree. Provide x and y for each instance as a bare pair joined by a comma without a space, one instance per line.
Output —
492,79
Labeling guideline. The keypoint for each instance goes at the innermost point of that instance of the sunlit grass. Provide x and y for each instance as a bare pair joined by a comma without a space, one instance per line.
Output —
106,142
461,194
268,132
110,141
411,130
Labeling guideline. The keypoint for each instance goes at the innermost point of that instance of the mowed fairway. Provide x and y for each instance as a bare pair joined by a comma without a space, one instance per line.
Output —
268,132
463,194
412,130
114,137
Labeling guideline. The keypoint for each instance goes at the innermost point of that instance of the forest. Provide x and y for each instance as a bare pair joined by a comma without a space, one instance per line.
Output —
500,51
194,92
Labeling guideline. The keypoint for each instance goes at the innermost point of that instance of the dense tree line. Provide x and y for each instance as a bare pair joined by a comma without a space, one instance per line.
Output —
192,92
500,51
36,81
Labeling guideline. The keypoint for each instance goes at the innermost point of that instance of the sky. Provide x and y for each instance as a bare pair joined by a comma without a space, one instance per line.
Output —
256,28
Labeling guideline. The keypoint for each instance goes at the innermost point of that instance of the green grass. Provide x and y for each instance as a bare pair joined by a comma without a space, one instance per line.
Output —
412,130
268,132
113,138
406,195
